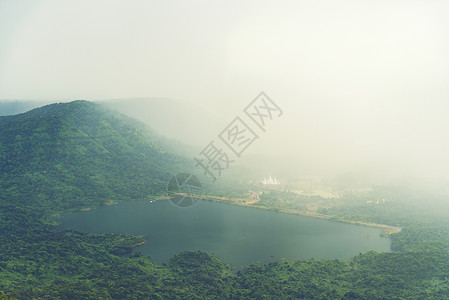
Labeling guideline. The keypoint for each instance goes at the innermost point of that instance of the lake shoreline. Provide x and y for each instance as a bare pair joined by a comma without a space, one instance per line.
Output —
239,236
387,230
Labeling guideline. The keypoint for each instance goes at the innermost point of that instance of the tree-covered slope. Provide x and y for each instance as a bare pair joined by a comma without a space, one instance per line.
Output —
78,153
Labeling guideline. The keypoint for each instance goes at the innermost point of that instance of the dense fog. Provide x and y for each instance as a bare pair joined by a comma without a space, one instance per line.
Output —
362,85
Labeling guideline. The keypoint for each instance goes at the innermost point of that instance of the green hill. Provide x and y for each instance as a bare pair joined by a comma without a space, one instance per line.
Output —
79,153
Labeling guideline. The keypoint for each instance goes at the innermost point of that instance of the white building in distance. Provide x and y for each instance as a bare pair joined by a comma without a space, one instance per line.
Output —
270,181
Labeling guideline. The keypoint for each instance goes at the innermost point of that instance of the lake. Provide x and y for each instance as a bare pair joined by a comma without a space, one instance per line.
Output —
239,235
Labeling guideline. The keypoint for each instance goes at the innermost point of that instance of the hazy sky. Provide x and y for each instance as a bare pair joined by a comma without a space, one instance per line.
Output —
359,81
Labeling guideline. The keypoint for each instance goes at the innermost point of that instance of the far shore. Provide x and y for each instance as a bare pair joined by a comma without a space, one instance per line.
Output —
386,229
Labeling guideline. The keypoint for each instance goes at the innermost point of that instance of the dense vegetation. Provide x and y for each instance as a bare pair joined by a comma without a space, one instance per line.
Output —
68,156
76,154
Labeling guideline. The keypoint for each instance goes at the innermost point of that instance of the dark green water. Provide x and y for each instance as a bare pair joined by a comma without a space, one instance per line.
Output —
239,235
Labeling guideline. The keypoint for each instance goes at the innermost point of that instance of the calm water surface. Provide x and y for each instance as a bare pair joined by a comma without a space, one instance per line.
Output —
239,235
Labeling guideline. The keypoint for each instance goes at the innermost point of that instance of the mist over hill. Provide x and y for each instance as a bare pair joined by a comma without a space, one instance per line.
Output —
14,107
72,154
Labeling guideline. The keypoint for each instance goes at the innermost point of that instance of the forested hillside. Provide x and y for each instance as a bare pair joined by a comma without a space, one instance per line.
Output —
73,154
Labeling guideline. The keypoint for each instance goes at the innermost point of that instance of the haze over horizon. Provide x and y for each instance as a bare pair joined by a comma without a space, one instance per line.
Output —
363,85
